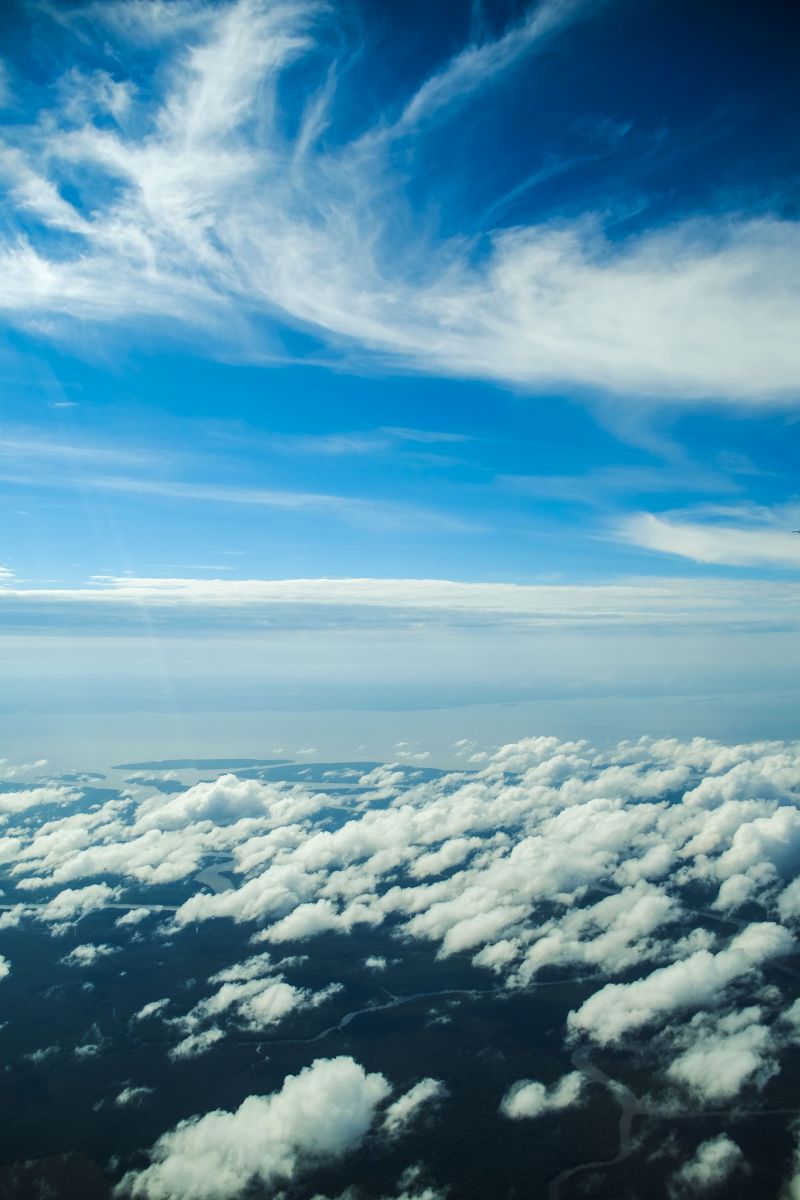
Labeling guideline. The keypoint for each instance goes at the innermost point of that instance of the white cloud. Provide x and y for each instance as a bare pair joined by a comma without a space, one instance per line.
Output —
254,967
5,966
478,65
403,1111
707,542
375,962
528,1098
724,1054
73,903
712,1165
318,1115
134,916
193,1045
255,999
734,891
34,797
132,1096
87,954
613,934
789,901
151,1009
631,605
688,983
224,800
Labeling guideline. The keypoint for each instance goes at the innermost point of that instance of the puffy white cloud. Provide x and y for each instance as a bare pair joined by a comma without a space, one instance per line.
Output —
691,982
73,903
252,994
712,1165
225,800
35,797
87,954
528,1098
151,1009
319,1114
723,1054
614,933
734,891
256,1003
11,917
5,966
195,1044
405,1109
254,967
134,916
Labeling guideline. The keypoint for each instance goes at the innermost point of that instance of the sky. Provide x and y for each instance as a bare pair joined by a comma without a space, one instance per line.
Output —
400,356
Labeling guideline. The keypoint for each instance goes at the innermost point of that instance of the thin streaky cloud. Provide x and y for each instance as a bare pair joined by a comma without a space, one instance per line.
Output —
597,487
16,446
625,605
478,65
377,514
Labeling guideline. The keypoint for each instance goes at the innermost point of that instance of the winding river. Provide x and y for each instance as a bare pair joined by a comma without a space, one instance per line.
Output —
630,1105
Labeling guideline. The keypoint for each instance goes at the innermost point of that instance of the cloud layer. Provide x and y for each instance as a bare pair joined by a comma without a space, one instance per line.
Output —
374,603
657,880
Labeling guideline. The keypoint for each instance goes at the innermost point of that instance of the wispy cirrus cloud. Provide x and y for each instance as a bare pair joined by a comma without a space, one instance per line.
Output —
91,466
376,514
477,65
198,207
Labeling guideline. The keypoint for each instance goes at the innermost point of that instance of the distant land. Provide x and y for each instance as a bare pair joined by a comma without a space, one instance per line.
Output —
200,764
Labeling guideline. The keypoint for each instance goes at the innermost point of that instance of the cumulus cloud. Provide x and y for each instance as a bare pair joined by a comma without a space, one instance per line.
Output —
195,1044
403,1111
528,1098
724,1053
87,954
712,1165
35,797
224,801
688,983
613,934
72,904
375,962
151,1009
134,916
318,1115
256,1003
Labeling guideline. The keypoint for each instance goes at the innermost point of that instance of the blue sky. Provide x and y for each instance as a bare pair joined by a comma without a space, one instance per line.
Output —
477,293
